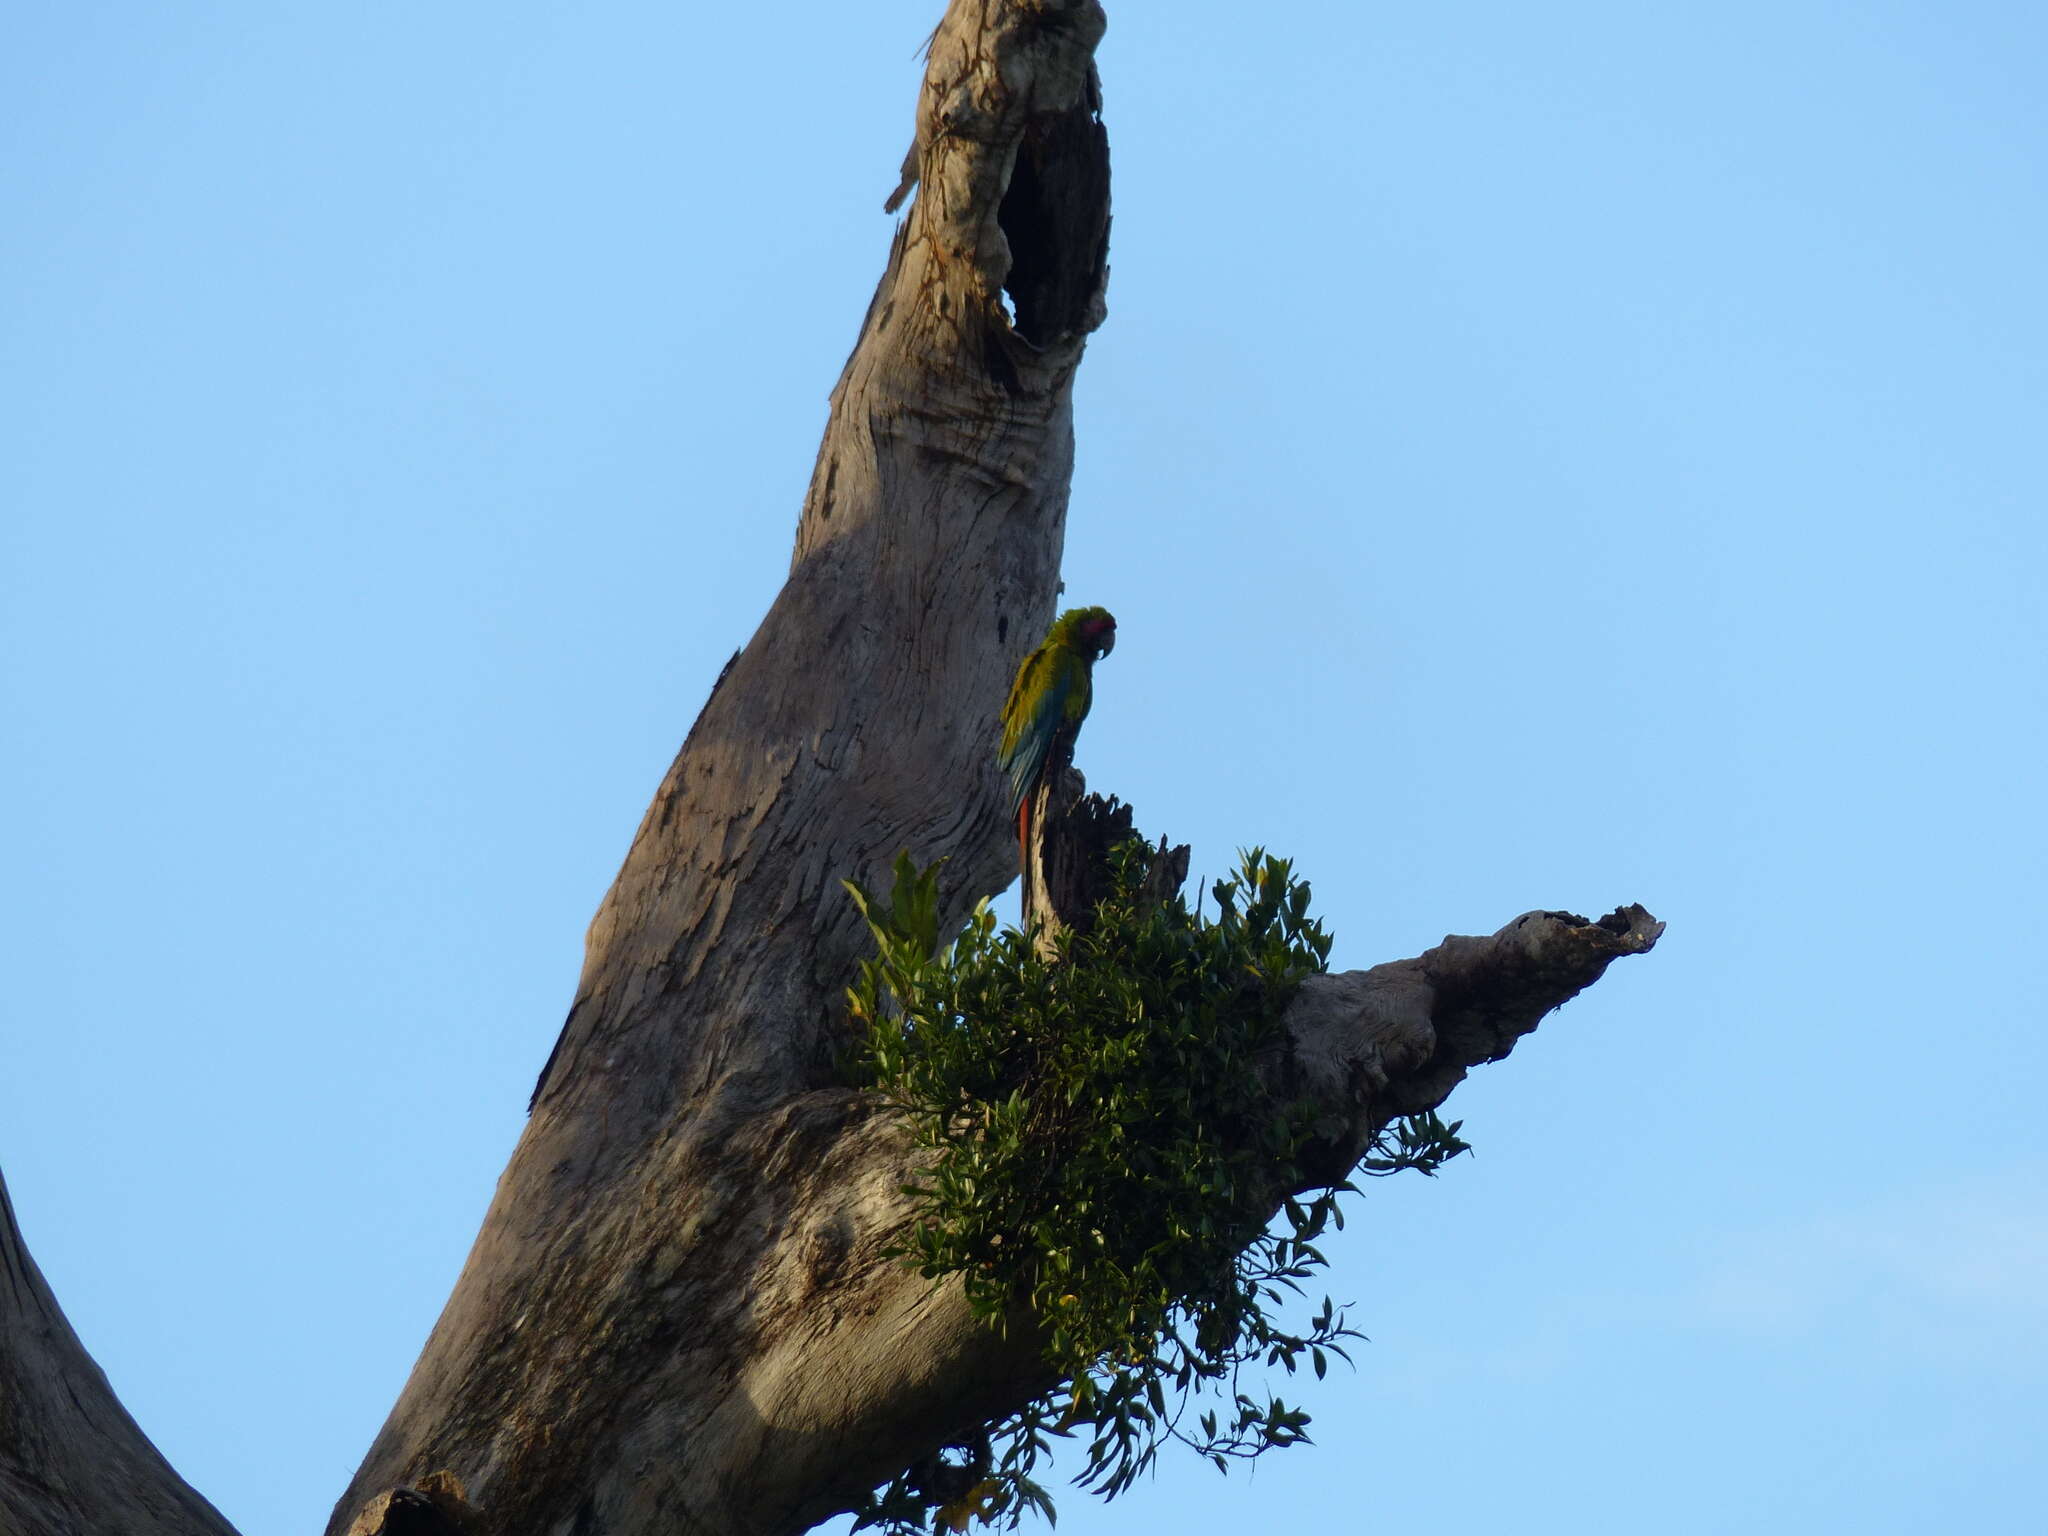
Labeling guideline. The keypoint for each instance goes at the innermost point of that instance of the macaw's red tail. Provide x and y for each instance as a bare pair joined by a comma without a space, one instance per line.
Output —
1024,837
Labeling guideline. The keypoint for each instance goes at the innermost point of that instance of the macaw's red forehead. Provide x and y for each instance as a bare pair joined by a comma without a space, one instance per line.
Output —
1095,621
1084,628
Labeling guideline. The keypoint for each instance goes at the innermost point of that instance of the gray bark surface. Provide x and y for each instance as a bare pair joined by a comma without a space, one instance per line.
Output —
677,1317
72,1463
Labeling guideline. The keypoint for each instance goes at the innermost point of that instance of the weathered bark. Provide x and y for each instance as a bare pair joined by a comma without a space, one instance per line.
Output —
72,1463
677,1316
1369,1046
674,1318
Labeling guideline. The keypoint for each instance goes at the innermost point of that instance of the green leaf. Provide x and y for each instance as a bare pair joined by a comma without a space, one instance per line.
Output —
1095,1127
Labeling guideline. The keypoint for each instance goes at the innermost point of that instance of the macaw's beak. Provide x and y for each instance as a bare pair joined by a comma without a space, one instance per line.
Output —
1107,640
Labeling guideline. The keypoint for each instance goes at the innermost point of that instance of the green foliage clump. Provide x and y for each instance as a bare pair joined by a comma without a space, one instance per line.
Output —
1106,1157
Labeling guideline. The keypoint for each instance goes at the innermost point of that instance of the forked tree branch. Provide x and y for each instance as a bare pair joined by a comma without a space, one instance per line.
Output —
678,1316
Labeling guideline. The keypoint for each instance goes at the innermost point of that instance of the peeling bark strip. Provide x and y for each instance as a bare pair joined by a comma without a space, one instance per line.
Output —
72,1463
677,1318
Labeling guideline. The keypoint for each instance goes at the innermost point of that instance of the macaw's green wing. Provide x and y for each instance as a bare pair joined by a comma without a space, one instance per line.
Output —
1050,696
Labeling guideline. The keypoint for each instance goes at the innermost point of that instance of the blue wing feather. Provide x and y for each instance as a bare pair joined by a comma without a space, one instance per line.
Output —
1025,757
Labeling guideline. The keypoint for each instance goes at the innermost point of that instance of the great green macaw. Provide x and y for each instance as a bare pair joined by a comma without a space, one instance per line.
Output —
1047,704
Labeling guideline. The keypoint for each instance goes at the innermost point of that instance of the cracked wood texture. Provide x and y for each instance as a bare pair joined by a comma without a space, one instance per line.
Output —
674,1318
677,1318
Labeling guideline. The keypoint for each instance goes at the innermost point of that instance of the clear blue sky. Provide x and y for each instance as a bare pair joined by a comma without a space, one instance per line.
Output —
1540,456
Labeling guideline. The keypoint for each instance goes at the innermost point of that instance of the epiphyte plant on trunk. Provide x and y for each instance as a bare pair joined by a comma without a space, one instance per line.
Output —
1103,1151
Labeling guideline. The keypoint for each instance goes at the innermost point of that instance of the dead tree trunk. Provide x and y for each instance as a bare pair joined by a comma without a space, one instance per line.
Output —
676,1317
